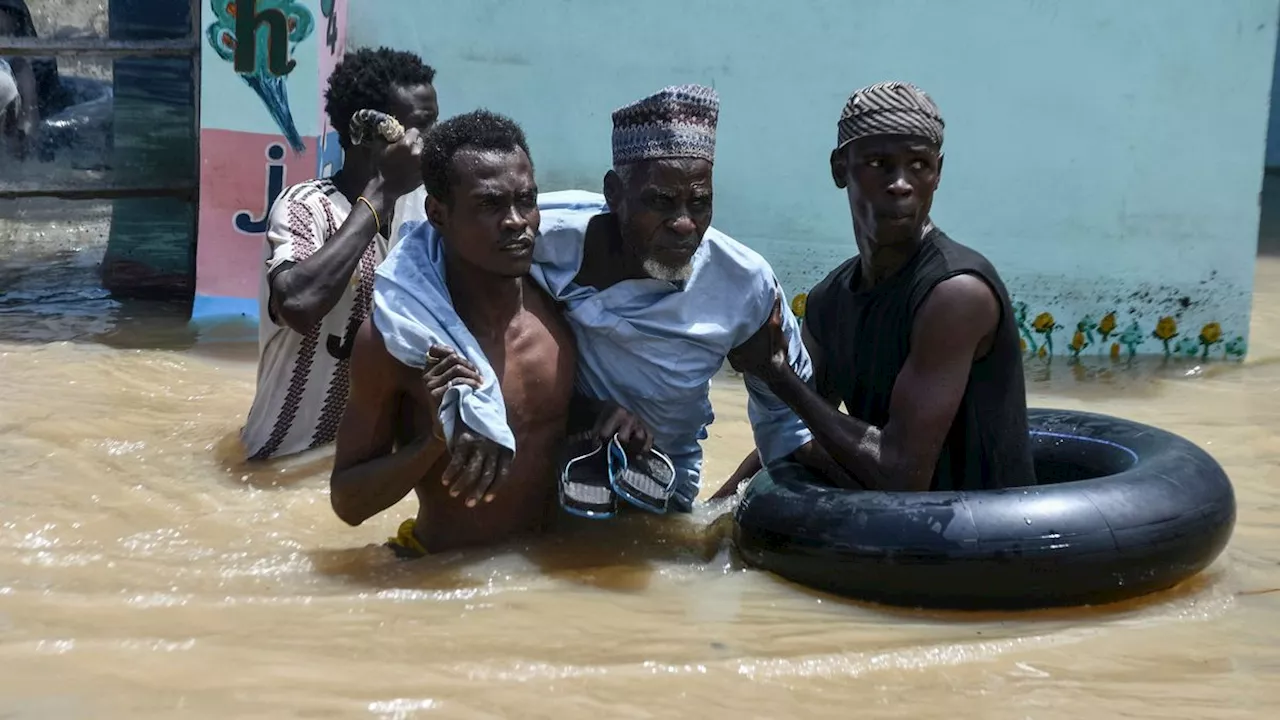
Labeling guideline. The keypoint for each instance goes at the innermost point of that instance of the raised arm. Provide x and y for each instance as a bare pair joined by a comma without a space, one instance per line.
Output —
308,272
948,333
370,474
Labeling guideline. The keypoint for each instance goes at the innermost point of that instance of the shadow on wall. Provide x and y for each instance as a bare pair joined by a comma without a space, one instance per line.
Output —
1269,227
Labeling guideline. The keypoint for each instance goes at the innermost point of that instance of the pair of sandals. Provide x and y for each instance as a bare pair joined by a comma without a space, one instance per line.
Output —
598,473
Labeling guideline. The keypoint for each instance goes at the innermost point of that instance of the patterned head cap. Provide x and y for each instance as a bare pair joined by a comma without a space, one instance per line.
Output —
889,108
675,122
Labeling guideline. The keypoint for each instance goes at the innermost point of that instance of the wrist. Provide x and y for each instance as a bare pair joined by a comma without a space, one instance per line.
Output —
775,372
376,192
781,380
426,445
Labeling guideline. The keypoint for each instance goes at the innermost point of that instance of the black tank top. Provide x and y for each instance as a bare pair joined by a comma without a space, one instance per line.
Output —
865,336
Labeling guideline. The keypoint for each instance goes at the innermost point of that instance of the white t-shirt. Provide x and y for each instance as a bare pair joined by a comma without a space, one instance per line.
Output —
303,379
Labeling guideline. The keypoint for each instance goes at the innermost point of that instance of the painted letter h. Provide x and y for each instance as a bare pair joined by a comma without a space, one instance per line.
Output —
248,19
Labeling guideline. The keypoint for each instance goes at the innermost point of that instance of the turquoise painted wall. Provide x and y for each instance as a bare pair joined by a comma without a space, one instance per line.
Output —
1107,156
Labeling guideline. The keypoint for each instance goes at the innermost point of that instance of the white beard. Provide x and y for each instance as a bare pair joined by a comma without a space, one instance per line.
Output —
658,271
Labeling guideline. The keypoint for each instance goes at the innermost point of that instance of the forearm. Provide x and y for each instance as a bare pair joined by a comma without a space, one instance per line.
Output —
813,456
747,469
361,491
853,445
309,290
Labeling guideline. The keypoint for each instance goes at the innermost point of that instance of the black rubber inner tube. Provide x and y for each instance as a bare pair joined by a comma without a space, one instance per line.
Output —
1121,510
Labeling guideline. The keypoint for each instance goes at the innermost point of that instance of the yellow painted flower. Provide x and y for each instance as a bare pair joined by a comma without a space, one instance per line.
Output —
1043,322
798,304
1022,343
1042,351
1211,333
1108,324
1166,328
1077,341
1115,351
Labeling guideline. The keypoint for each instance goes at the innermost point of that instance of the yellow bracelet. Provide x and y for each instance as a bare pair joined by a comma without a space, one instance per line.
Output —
376,220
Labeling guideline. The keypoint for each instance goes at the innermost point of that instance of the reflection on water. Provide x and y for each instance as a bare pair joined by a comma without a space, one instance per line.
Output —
145,573
51,286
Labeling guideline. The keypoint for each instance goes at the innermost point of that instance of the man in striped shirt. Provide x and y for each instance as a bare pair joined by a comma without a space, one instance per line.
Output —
324,240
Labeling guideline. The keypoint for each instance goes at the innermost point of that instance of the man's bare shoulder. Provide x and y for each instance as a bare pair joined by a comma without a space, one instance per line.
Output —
965,298
372,365
960,312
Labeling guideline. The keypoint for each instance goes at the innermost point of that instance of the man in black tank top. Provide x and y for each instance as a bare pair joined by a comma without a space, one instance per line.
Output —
915,336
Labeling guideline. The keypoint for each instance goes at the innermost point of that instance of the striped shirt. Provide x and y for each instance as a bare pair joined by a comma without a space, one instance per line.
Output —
303,378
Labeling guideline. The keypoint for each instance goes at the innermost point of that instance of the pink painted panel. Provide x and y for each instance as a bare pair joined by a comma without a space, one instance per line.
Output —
241,174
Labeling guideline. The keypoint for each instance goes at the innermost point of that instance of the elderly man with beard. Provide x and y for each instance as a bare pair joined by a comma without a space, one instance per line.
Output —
658,299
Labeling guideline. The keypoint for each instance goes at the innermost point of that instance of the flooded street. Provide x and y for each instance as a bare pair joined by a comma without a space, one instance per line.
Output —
143,574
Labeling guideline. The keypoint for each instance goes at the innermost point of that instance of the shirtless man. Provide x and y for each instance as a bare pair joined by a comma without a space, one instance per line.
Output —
483,203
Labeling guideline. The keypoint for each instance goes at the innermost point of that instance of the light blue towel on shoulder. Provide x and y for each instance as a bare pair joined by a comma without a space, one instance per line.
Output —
413,310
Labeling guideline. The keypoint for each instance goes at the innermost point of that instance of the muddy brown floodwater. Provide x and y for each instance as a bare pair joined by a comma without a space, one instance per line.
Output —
144,575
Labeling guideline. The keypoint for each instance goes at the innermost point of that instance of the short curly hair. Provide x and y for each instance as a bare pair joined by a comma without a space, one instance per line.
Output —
366,79
477,130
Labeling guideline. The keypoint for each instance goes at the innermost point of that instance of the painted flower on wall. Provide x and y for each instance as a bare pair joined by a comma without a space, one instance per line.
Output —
1077,343
269,86
1028,341
1105,328
1166,330
1083,336
1045,325
1131,338
1210,335
1110,339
